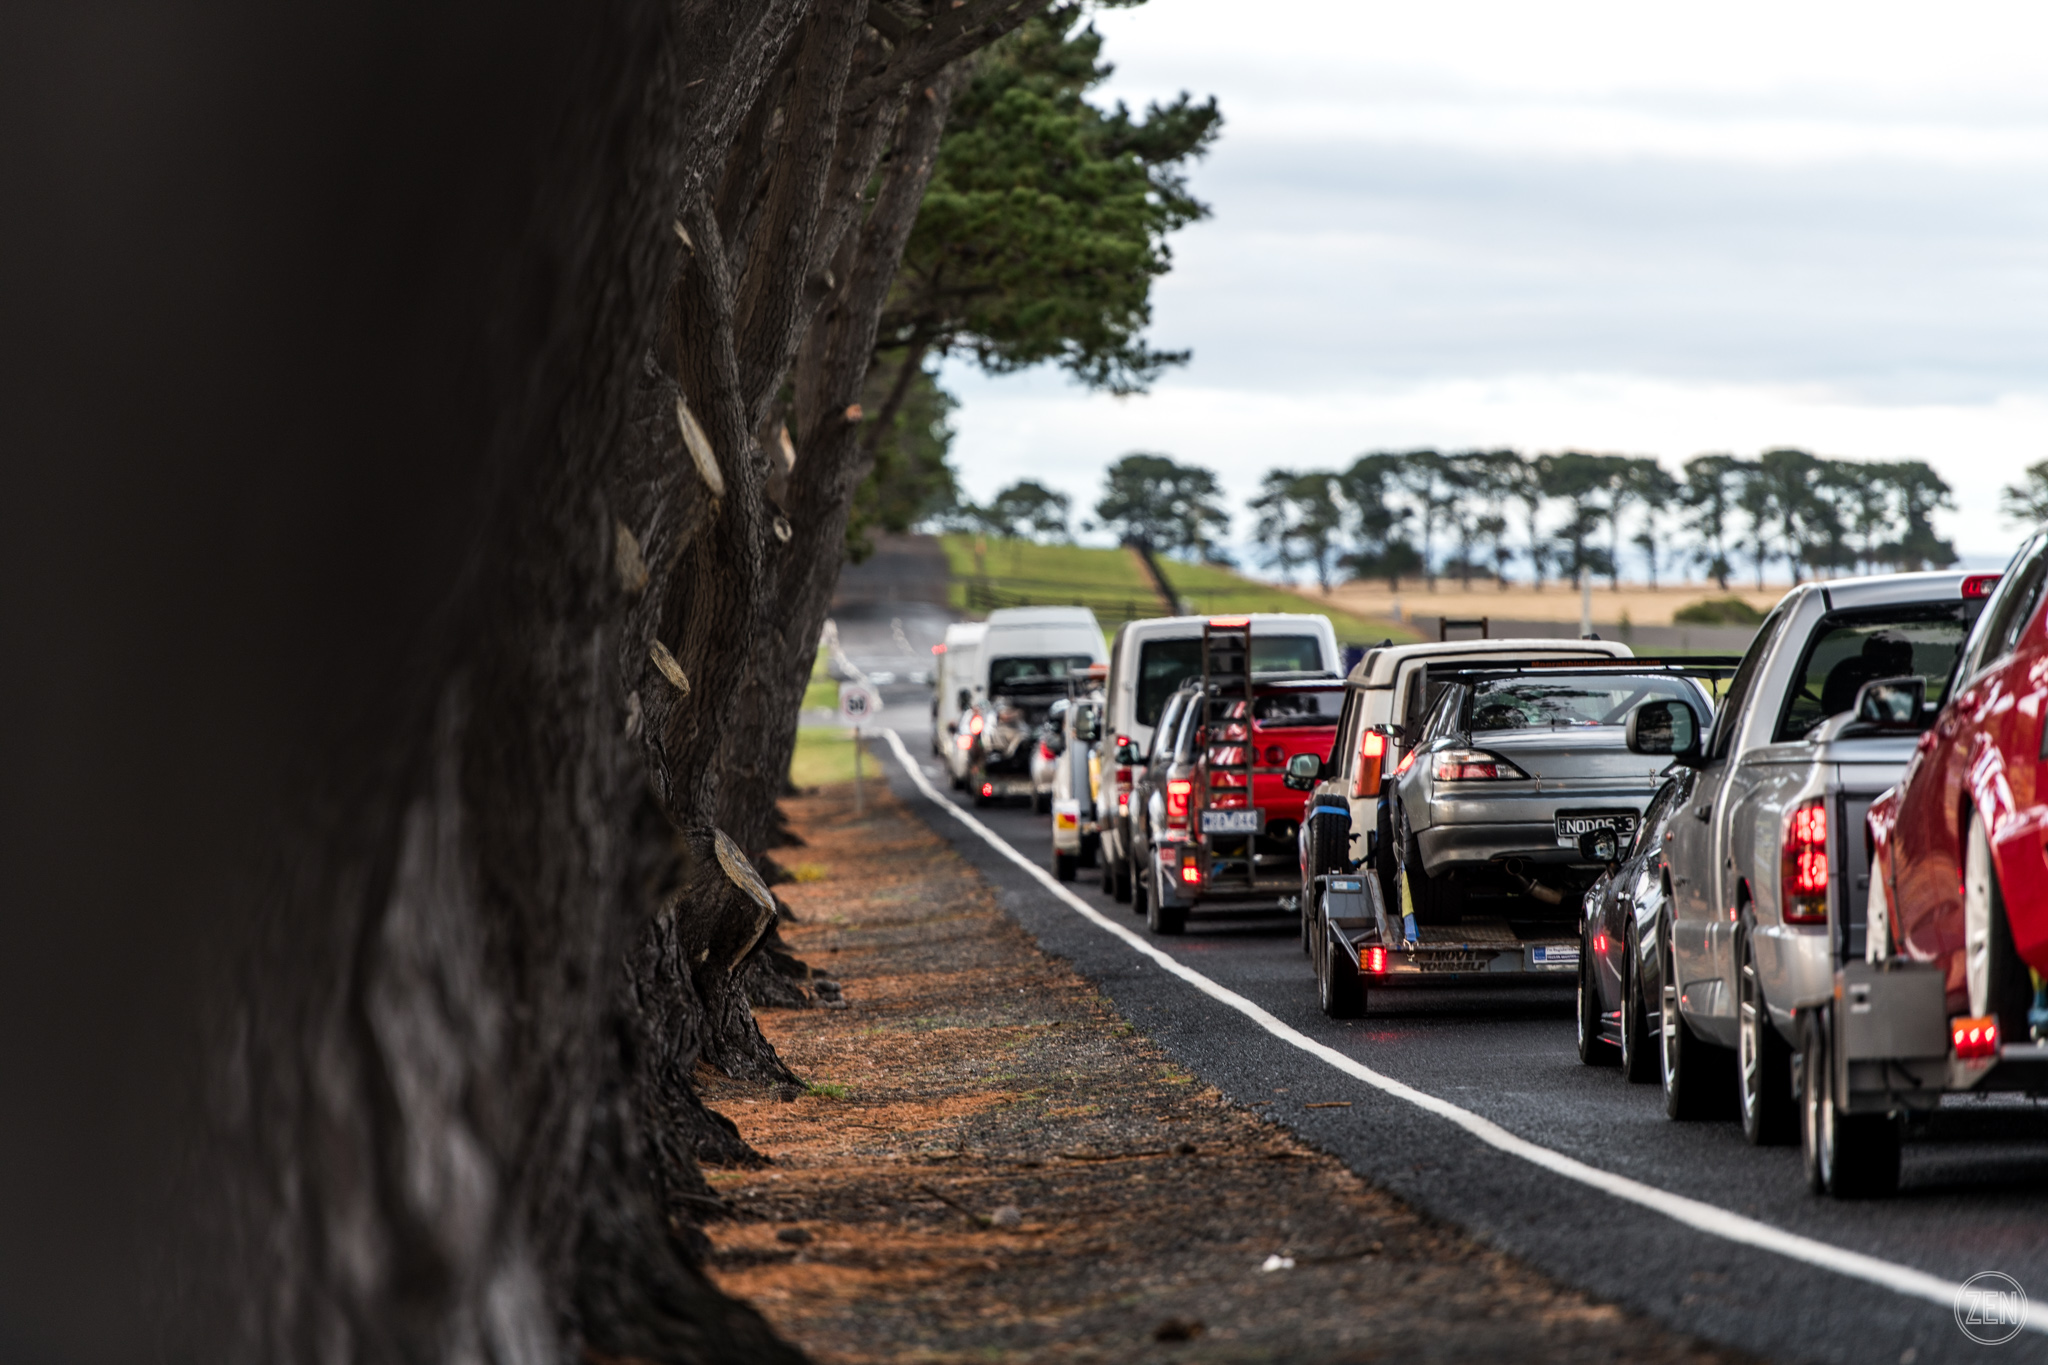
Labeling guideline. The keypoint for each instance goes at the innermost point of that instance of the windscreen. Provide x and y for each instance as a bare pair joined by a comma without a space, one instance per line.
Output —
1034,670
1851,648
1280,710
1164,665
1552,702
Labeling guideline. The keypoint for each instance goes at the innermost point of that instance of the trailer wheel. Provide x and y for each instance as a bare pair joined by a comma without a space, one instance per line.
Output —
1763,1063
1160,917
1851,1156
1594,1050
1638,1057
1063,865
1343,993
1694,1071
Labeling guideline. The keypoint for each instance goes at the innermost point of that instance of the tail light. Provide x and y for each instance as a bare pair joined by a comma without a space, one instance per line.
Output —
938,649
1974,1037
974,723
1177,790
1475,765
1407,762
1804,864
1372,756
1045,751
1274,756
1191,873
988,789
1230,622
1980,584
1373,959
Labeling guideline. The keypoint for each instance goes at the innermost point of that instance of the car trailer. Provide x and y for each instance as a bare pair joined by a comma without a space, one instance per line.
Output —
1365,947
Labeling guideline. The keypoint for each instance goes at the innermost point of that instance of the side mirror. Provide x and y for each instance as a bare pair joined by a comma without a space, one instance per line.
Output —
1087,726
966,699
1665,727
1600,845
1127,754
1893,703
1303,772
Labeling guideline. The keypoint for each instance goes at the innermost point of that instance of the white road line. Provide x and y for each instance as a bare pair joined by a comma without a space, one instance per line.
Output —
1693,1213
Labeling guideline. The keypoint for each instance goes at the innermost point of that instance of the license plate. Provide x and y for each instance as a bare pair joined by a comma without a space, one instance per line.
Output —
1570,827
1233,821
1559,955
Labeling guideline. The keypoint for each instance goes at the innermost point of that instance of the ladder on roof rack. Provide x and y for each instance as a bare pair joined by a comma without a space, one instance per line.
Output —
1228,755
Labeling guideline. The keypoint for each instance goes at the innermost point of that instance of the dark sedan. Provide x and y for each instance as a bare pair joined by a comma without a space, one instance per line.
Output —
1619,979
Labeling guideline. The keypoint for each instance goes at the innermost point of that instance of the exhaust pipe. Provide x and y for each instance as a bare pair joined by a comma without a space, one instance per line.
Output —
1549,895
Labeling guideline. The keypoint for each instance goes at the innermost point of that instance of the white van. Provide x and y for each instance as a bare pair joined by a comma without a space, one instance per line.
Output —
953,683
1026,659
1148,661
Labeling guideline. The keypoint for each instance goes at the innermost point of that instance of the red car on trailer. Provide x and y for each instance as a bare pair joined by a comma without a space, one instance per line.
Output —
1949,995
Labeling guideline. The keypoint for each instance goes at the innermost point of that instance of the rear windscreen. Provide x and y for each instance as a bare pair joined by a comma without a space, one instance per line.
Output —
1851,648
1552,703
1028,670
1281,709
1164,665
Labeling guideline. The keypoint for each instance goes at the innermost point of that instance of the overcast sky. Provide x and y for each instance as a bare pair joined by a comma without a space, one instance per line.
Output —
1610,227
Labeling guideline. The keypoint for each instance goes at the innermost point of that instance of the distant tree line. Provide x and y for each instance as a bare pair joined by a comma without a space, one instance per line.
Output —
1492,515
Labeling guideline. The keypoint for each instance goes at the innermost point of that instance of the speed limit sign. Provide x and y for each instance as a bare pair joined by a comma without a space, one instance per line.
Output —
858,704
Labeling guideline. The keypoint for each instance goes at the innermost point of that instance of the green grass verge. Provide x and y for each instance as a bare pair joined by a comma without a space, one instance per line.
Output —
824,755
822,693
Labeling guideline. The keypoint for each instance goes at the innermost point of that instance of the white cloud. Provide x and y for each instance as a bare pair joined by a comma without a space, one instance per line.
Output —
1606,226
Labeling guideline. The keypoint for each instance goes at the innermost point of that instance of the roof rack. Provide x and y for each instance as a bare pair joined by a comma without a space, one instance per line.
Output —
1700,666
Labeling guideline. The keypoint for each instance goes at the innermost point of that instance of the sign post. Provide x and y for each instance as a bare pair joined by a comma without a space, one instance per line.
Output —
858,703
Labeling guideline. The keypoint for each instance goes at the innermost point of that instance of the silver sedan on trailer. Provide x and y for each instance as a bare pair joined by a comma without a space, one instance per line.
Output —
1510,773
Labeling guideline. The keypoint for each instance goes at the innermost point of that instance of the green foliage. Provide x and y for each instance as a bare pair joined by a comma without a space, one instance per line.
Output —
911,481
1029,510
1718,611
1299,522
1174,507
2026,502
1046,219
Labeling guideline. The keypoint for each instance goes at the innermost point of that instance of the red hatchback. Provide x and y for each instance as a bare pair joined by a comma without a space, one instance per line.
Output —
1959,871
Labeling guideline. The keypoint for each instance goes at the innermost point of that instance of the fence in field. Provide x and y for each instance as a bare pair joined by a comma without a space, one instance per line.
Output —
1112,605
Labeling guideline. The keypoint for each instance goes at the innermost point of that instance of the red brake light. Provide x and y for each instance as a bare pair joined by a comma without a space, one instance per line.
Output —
938,649
1045,751
1401,769
1372,758
1980,584
1804,864
1373,959
1974,1037
974,723
1230,622
1177,798
1274,756
1190,873
988,789
1474,765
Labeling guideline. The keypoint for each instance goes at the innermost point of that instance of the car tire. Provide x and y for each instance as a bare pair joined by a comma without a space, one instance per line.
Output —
1850,1156
1064,865
1594,1049
1160,917
1638,1055
1763,1062
959,781
1695,1073
1338,983
1325,833
1996,976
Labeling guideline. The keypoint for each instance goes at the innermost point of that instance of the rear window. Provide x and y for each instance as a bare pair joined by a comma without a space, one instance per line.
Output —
1277,710
1164,665
1851,648
1556,703
1034,670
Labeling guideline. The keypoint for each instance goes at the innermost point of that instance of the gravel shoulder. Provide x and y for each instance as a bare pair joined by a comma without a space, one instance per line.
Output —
989,1163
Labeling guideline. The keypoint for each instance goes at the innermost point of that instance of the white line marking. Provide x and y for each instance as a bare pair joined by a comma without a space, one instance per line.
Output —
1693,1213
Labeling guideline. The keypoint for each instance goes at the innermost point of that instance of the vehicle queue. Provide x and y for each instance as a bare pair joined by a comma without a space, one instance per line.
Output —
1806,889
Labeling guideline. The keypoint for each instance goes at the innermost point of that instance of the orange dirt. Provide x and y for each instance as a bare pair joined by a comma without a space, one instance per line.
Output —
991,1165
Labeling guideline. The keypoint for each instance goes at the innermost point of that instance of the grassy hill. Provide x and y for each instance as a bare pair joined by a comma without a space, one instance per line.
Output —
1114,584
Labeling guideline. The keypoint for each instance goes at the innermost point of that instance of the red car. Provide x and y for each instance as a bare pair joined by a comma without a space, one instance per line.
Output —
1960,874
1948,996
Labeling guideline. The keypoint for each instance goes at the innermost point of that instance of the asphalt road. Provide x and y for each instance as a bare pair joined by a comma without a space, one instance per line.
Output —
1974,1196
